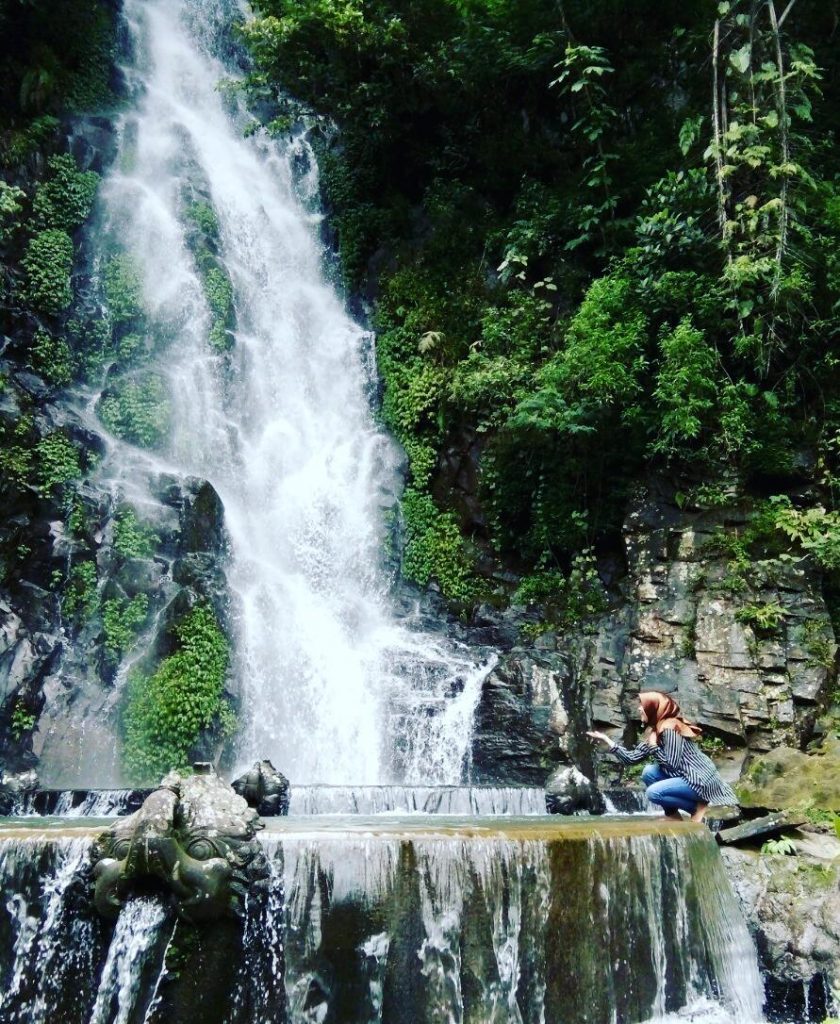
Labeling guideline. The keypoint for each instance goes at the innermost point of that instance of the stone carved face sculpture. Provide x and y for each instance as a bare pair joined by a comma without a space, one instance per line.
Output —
196,838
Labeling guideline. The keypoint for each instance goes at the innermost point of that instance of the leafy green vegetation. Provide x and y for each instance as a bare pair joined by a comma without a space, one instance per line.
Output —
166,712
137,409
65,197
781,847
763,618
58,461
121,621
81,595
597,273
23,720
132,539
48,261
123,290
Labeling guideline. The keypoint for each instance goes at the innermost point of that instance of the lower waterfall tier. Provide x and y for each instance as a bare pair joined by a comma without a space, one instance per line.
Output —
403,921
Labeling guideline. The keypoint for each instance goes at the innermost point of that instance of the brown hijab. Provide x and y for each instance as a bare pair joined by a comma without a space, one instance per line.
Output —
663,712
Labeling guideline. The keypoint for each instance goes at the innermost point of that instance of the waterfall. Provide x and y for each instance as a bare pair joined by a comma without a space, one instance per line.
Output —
501,928
502,921
476,800
332,686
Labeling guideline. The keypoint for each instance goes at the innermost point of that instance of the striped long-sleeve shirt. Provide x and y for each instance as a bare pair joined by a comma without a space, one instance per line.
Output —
681,758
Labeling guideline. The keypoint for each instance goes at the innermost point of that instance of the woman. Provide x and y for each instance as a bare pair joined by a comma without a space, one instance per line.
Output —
684,779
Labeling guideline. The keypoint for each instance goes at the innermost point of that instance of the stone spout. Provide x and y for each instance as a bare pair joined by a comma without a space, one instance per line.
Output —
194,839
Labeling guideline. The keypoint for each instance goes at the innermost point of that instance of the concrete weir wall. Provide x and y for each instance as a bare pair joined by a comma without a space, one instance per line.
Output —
408,919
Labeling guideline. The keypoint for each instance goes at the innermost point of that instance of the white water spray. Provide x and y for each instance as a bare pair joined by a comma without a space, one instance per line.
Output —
333,688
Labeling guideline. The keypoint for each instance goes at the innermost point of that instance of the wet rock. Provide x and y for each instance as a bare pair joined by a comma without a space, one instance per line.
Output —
758,828
568,791
513,739
202,519
15,787
792,906
265,789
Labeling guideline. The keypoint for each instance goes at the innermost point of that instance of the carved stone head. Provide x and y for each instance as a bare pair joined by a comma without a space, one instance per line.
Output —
194,837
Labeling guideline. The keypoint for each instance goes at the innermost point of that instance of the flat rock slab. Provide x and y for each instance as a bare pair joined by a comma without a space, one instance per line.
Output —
769,825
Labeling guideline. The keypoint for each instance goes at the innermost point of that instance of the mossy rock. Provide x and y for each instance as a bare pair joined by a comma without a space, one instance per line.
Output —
787,777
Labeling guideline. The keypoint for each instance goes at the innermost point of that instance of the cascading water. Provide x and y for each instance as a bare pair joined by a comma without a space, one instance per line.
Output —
333,688
497,921
392,919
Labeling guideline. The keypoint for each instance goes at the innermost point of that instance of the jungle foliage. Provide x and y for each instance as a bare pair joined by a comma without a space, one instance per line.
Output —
599,239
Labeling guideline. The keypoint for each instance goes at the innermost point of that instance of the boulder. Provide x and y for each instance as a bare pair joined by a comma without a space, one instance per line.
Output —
786,777
520,725
569,791
792,907
265,789
15,788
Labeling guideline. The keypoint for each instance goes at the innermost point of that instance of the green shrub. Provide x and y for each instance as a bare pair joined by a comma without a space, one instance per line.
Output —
81,596
219,293
121,621
65,198
131,538
56,461
763,618
48,261
23,720
10,208
123,289
137,409
569,598
434,549
204,217
166,713
50,357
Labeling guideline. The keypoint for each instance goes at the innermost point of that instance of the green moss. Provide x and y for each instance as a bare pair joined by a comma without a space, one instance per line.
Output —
137,409
788,778
48,261
166,713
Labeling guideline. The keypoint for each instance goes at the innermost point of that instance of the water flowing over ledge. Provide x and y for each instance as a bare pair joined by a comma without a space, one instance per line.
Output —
496,920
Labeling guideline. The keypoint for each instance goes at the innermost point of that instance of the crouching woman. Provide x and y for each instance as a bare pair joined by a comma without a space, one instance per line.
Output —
683,778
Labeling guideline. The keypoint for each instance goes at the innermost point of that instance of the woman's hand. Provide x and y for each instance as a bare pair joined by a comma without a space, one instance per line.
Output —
600,737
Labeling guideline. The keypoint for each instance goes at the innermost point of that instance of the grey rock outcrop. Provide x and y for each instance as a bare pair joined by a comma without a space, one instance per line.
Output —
684,628
568,791
792,906
528,720
265,789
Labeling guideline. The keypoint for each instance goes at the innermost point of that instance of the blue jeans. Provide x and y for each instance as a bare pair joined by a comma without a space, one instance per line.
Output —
671,792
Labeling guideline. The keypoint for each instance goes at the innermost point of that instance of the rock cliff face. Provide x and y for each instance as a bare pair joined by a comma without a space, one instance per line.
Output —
686,622
686,629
